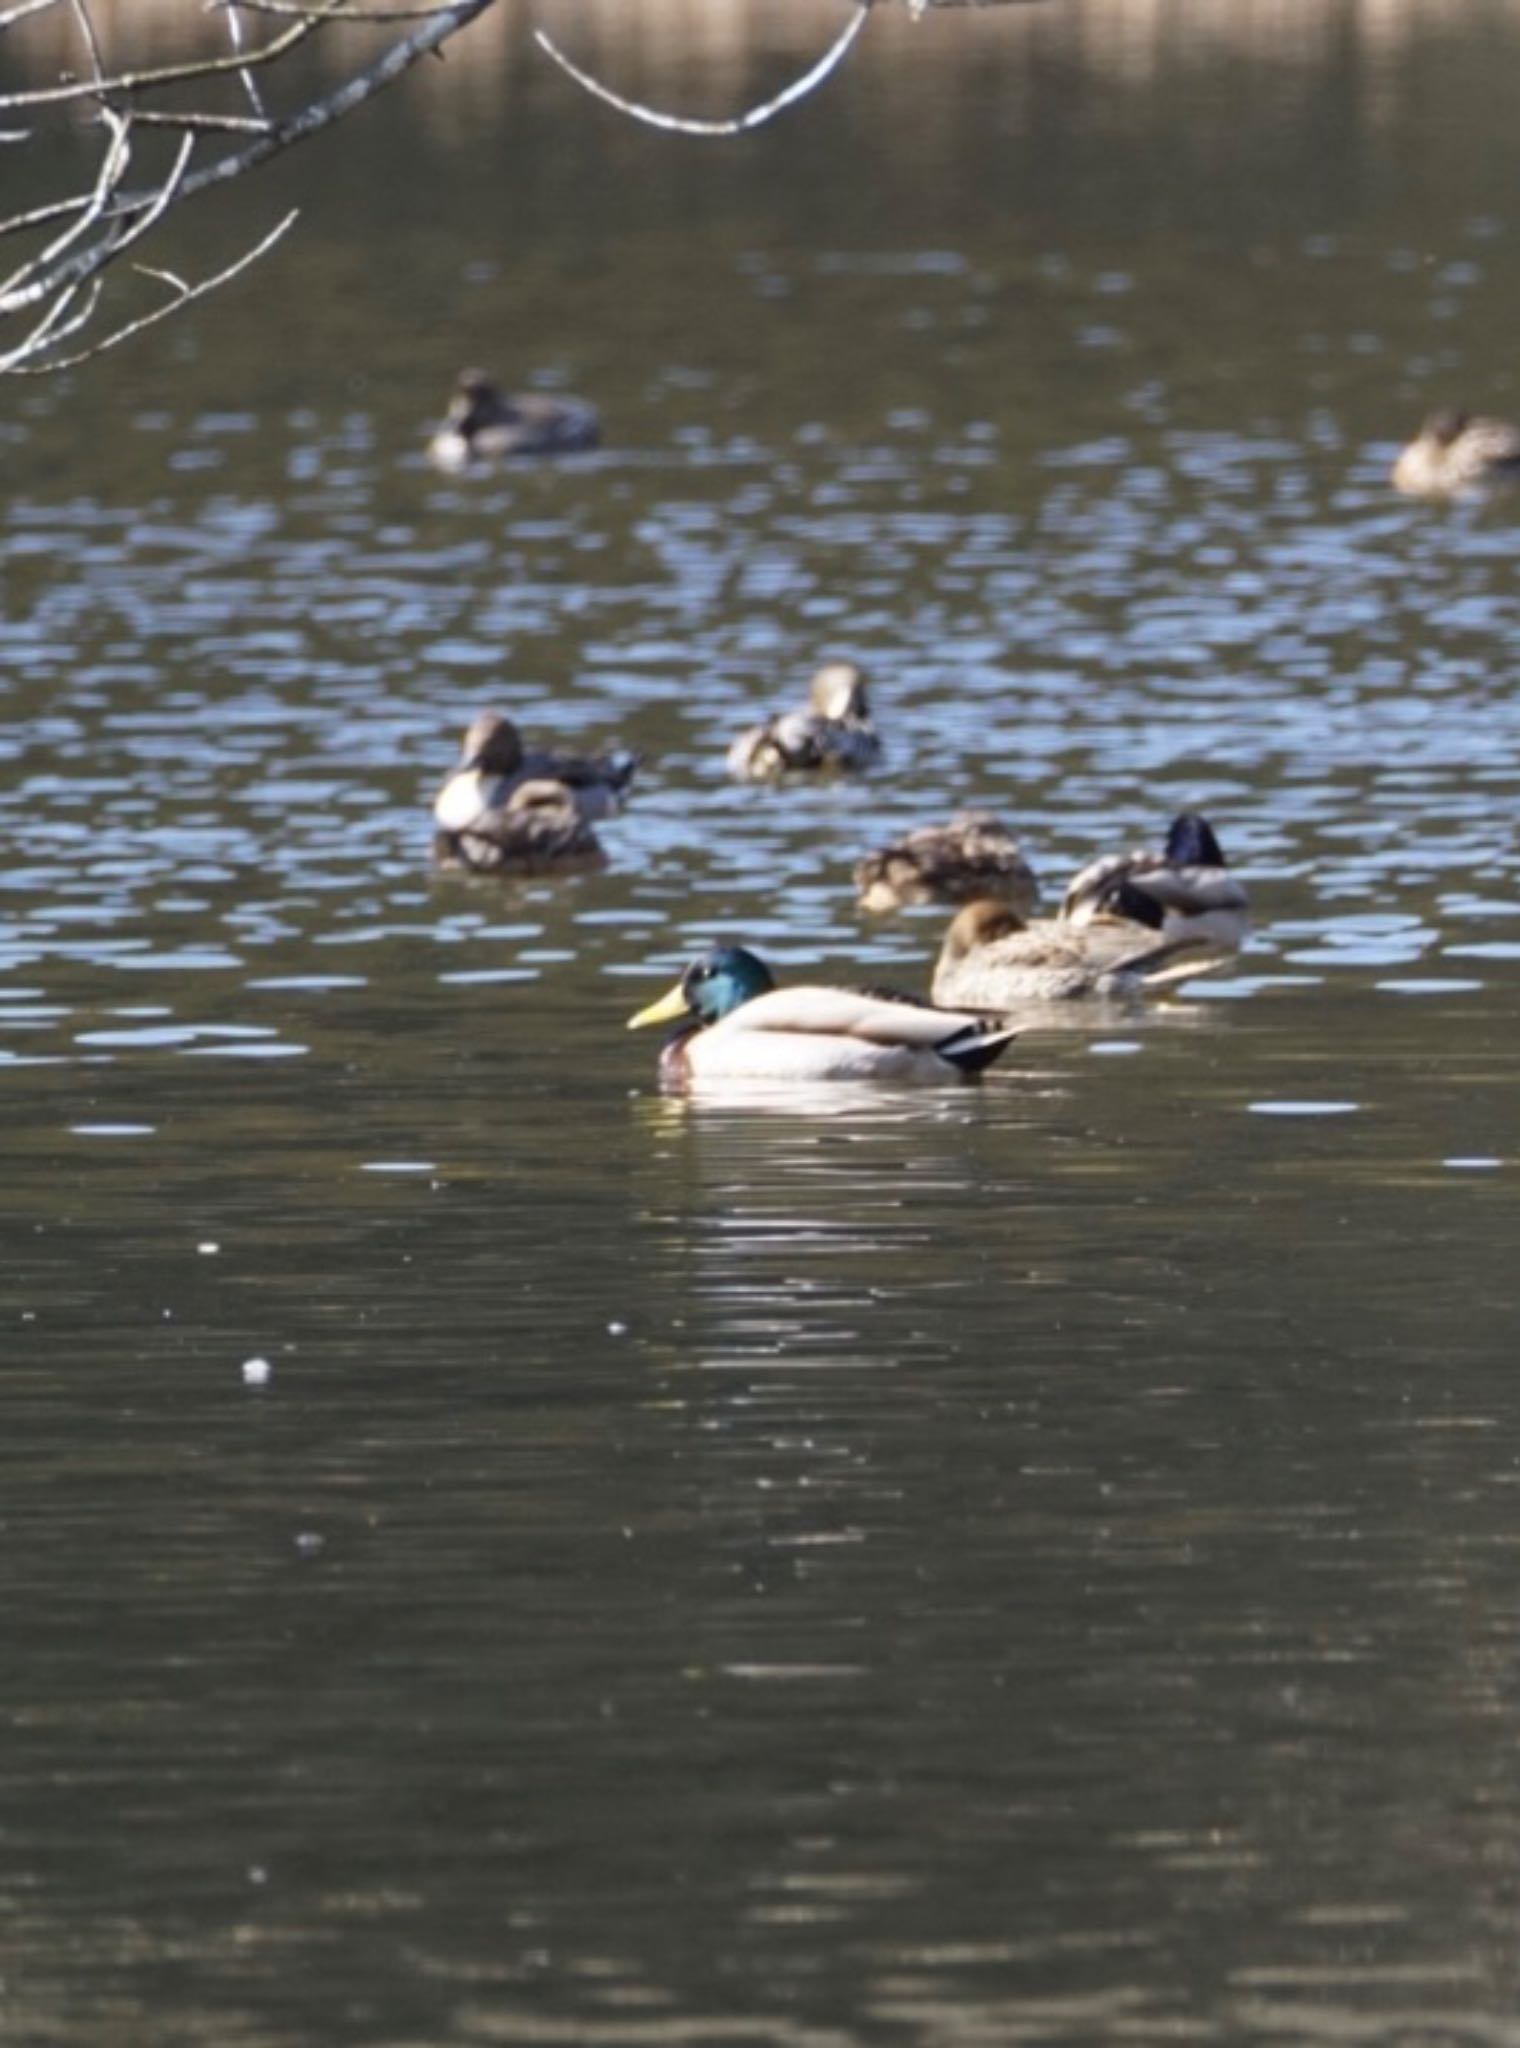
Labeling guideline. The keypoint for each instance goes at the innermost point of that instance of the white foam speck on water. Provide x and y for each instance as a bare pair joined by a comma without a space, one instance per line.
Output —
1288,1108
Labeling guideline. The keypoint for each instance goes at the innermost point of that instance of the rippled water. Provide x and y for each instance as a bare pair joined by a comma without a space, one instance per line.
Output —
1025,1564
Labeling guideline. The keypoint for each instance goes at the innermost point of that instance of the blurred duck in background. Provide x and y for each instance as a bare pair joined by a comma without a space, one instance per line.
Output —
1187,883
973,856
484,424
536,831
832,731
482,809
1455,452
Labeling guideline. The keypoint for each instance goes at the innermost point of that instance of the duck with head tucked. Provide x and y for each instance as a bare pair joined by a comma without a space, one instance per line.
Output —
480,809
538,830
832,731
1186,881
484,424
992,960
973,856
737,1025
1456,452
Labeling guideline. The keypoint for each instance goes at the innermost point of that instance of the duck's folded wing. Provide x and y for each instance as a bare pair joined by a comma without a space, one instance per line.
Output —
850,1013
1088,887
797,738
1191,890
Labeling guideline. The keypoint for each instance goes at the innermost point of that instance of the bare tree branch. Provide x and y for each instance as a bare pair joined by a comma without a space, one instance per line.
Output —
187,126
124,84
55,291
14,14
754,117
306,9
184,294
250,82
113,169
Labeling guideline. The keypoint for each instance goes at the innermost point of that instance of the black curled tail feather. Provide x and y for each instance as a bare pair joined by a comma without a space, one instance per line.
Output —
620,767
975,1046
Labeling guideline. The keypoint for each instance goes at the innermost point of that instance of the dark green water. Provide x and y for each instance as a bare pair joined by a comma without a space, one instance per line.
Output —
1025,1565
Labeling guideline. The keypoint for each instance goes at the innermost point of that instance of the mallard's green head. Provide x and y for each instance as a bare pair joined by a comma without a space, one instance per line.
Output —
710,988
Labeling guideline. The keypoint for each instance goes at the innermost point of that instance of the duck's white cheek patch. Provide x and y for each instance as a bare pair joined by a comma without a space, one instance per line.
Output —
459,803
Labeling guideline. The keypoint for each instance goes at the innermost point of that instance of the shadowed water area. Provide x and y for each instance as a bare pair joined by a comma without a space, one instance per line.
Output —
1025,1564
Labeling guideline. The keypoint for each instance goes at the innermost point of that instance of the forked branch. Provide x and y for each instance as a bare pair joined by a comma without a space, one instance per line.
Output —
186,126
51,303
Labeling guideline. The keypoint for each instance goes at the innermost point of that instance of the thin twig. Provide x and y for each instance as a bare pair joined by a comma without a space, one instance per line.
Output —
303,8
179,74
311,120
206,124
754,117
14,14
184,297
296,128
53,328
250,83
58,289
81,13
113,168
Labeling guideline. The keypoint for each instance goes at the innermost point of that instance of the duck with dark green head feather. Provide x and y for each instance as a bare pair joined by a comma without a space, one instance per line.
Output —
737,1025
1187,880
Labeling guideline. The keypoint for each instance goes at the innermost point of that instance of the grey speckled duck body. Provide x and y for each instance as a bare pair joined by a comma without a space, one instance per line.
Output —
992,960
537,830
832,731
973,856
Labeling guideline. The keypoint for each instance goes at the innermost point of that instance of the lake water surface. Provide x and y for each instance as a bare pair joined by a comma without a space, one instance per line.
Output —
1032,1564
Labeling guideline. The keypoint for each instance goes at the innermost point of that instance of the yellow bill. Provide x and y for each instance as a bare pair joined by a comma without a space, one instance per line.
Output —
666,1011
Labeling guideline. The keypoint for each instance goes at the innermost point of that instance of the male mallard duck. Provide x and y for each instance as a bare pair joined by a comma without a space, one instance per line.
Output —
992,960
971,857
1455,451
1187,881
484,424
738,1026
536,830
834,730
